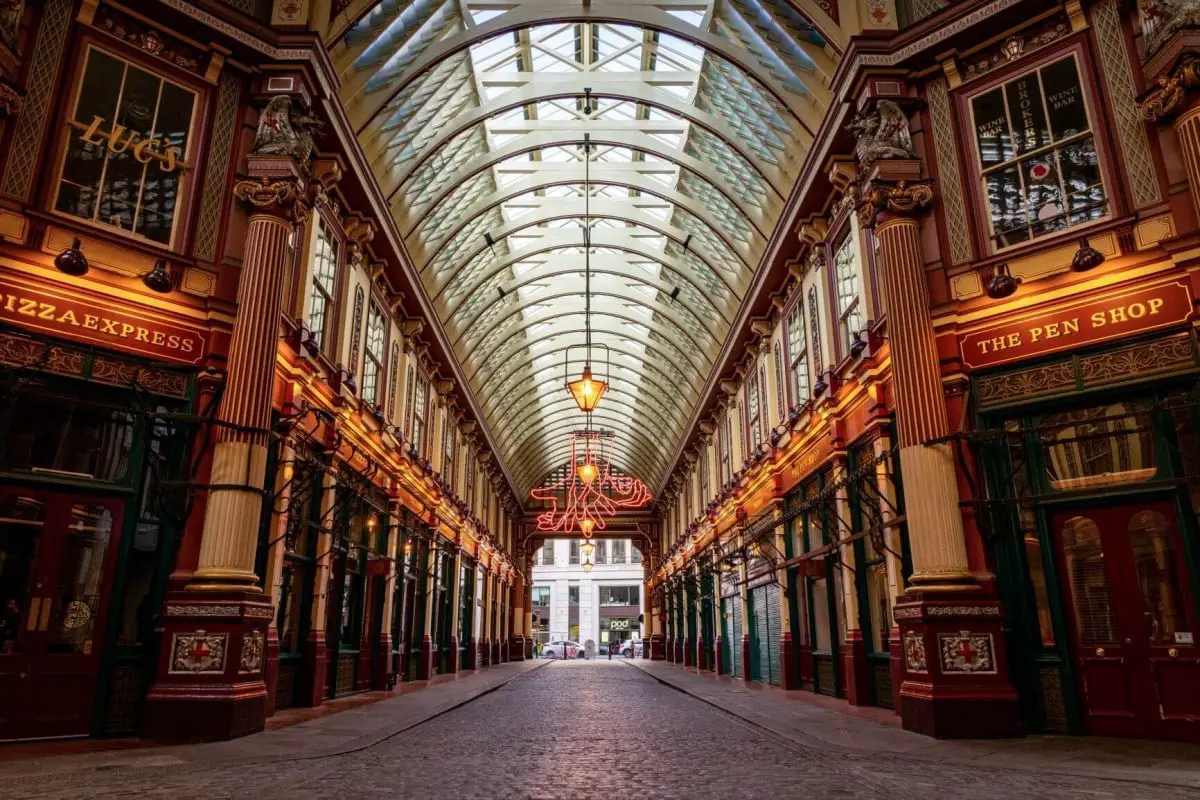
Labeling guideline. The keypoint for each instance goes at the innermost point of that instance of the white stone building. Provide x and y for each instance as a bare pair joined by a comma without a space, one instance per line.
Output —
599,606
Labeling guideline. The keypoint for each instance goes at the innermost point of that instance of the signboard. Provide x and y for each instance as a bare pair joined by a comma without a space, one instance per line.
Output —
1078,324
104,323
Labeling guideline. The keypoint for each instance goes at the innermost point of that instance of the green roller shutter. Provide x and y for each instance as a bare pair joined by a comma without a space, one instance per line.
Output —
733,607
774,625
764,603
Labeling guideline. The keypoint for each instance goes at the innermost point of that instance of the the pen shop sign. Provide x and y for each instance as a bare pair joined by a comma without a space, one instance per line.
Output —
102,324
1073,325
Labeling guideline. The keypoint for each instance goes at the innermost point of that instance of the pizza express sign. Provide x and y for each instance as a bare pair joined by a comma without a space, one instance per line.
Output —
1079,324
100,324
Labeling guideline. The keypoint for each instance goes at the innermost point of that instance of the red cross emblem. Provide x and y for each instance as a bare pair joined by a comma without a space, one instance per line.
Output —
966,652
200,651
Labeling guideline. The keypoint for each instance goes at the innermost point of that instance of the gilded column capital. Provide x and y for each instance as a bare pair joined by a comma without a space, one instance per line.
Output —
1171,95
278,196
902,198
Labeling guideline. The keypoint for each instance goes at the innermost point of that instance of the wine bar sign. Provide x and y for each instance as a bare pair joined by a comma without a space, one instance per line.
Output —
1078,324
103,324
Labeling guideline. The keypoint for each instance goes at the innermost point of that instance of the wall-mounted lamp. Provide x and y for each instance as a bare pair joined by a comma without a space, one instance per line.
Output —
857,344
72,261
159,278
343,378
1086,257
1002,284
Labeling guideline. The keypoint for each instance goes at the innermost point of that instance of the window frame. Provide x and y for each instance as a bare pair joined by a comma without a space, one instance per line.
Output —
182,224
374,308
1098,128
846,241
796,311
327,337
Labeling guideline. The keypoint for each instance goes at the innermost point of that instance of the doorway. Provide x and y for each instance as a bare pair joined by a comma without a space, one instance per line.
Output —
57,553
1132,619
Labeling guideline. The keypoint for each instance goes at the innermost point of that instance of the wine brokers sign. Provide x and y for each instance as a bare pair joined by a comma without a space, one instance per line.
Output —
99,323
1078,324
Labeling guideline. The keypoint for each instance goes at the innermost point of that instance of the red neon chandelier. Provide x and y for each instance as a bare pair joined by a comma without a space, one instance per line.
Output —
590,492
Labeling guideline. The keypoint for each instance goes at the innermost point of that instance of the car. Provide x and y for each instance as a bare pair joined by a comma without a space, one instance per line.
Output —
602,650
562,648
631,648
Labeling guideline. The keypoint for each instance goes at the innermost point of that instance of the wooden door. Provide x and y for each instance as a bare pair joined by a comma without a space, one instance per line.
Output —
57,553
1132,620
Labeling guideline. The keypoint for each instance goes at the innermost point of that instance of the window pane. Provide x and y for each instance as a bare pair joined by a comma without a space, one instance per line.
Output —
1084,557
1037,576
21,521
1044,193
1007,202
991,128
1028,117
80,578
1064,99
1159,577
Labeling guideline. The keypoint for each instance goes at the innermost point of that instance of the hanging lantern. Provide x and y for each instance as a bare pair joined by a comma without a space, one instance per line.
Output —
587,473
587,391
587,566
586,549
587,527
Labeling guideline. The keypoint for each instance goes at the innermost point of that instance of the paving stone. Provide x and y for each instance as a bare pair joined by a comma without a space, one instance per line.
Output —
581,729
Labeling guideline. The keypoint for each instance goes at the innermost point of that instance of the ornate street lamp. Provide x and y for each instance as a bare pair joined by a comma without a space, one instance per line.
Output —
587,566
586,550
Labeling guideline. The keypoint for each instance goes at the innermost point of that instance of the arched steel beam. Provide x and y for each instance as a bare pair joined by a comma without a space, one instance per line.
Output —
760,219
605,86
601,264
565,411
528,461
548,177
613,239
662,313
646,371
646,381
363,106
681,351
532,416
549,444
524,347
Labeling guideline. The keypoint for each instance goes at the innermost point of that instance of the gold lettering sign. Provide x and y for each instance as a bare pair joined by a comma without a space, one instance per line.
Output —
120,139
99,323
1078,324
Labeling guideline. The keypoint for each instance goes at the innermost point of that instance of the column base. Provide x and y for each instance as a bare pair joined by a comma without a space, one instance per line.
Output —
496,652
382,676
787,662
746,657
855,670
425,659
473,654
655,648
516,650
719,665
209,678
955,667
528,651
311,692
505,648
689,653
452,663
897,663
485,652
670,645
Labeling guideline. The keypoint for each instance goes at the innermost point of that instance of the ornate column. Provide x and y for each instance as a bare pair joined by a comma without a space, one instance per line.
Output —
1173,102
452,663
485,647
516,632
955,672
210,674
425,659
383,676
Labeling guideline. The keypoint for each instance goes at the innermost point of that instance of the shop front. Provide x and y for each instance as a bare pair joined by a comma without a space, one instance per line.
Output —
94,447
1092,466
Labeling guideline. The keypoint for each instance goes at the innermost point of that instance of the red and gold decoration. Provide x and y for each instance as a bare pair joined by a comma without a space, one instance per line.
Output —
590,492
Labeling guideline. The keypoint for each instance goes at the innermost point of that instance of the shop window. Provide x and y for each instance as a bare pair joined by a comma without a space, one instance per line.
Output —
1159,577
1084,557
573,595
600,554
618,551
372,384
1037,579
574,556
1037,154
620,595
849,289
541,596
797,347
127,150
636,555
1098,446
322,302
61,435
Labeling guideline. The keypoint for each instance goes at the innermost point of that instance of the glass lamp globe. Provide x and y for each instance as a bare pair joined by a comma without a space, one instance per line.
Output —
587,391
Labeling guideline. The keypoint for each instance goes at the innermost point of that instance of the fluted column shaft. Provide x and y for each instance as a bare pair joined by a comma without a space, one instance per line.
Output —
230,537
935,529
1187,131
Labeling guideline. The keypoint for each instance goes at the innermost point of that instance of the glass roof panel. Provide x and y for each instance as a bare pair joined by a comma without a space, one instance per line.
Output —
478,130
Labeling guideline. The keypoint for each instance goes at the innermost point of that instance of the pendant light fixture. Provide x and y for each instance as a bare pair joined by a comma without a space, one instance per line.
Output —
587,390
587,566
586,550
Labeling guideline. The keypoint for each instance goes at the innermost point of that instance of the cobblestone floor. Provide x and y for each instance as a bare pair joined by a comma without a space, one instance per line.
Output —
578,729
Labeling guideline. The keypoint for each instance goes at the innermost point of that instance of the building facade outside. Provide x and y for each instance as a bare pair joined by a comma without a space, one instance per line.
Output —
603,606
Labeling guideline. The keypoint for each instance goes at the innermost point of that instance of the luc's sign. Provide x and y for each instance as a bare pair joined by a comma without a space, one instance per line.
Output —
102,324
1078,324
143,148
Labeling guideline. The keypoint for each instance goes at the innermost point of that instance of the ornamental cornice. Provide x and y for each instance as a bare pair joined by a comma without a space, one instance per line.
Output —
1171,96
276,196
903,198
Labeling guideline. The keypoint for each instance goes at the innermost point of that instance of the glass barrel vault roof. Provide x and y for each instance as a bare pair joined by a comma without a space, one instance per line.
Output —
473,115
